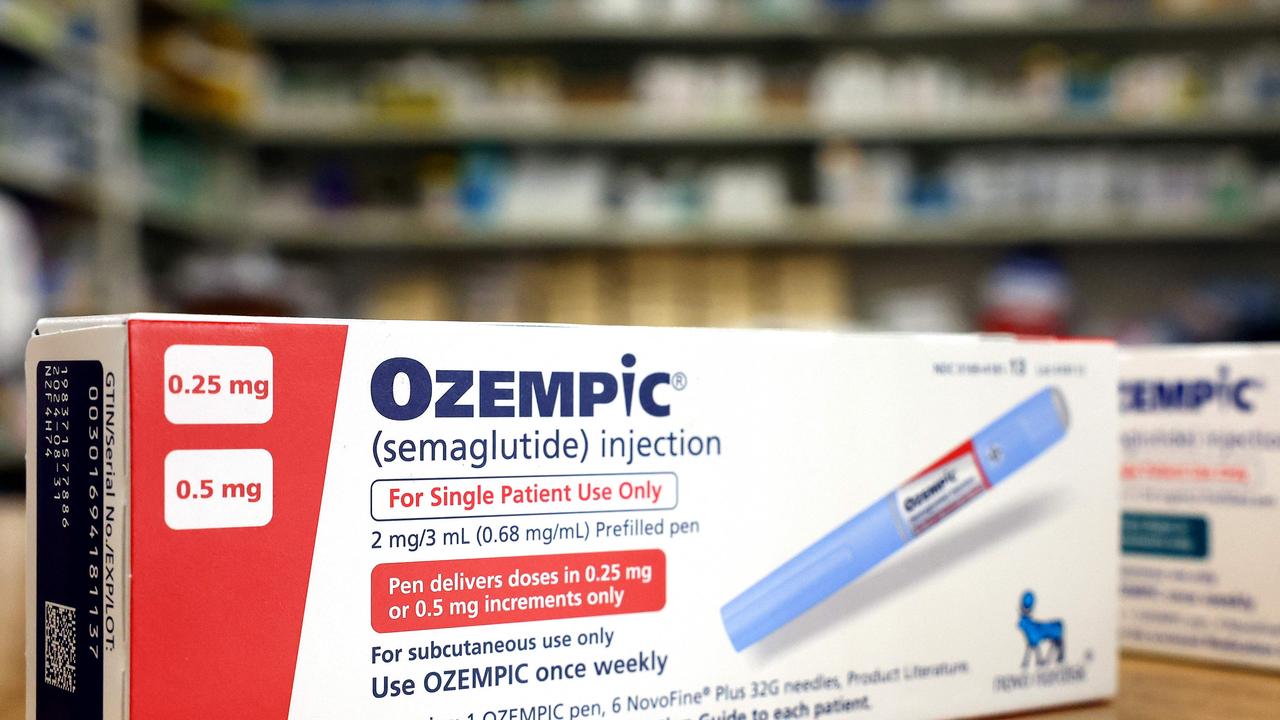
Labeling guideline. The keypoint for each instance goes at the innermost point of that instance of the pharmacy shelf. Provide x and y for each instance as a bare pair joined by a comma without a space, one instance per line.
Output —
373,230
109,81
629,127
76,63
155,99
44,51
513,25
40,50
193,10
195,223
71,190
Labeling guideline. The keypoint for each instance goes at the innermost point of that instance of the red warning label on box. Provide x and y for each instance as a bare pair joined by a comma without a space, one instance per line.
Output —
492,591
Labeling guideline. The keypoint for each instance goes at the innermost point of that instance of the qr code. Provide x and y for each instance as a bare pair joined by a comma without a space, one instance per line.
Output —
60,646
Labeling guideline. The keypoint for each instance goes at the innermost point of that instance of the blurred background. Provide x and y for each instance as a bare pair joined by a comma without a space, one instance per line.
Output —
1099,167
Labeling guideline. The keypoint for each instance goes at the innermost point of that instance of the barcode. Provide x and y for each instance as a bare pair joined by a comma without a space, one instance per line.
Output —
60,646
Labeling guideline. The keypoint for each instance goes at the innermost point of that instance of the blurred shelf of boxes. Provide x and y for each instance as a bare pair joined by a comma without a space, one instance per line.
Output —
269,83
870,163
719,22
389,229
611,126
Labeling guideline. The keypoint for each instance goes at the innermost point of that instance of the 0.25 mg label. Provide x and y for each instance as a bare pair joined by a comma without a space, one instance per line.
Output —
218,384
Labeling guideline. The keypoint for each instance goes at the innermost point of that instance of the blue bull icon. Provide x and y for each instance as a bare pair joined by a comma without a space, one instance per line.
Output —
1038,633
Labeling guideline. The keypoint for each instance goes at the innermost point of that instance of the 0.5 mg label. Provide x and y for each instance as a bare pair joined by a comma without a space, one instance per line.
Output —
217,489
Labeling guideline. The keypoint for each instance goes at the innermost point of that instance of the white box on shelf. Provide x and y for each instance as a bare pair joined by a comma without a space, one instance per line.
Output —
1200,452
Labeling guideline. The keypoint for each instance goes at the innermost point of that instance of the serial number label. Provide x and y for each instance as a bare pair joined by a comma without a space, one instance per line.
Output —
73,415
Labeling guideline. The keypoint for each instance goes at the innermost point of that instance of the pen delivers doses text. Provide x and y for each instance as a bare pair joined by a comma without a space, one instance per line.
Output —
491,591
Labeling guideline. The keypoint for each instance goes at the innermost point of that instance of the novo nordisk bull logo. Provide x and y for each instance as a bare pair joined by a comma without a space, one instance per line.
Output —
403,388
1192,394
1037,633
1045,641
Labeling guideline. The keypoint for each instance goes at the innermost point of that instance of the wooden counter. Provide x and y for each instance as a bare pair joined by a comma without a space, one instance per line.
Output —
1150,689
1156,689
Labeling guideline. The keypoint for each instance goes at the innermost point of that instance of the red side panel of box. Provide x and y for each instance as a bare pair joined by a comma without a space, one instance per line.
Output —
217,614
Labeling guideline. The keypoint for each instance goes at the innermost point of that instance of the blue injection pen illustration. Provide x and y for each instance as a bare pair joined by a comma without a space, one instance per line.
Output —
870,537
